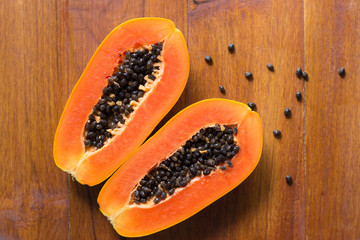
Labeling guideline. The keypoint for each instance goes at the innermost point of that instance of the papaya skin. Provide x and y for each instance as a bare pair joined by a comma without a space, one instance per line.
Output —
133,220
69,150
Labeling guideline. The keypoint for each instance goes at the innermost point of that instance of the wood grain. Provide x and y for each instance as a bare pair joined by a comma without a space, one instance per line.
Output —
332,128
34,195
45,46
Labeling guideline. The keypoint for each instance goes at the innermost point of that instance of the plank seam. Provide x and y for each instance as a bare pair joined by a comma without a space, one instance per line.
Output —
304,120
67,88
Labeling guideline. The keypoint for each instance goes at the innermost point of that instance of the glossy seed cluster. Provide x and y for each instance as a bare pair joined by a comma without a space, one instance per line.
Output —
127,84
209,149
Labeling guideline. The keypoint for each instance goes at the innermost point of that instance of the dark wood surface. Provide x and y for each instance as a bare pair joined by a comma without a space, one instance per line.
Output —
45,46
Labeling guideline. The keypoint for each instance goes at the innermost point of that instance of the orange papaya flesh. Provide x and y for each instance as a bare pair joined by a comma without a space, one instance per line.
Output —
94,166
133,220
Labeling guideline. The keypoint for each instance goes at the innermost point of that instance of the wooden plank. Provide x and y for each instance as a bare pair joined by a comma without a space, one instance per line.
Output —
263,207
332,40
34,194
89,23
45,46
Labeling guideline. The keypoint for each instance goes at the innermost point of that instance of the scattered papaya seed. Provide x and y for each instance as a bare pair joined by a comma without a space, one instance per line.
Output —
289,180
222,89
298,72
231,47
342,72
298,96
287,112
252,106
270,67
305,75
208,59
277,133
248,75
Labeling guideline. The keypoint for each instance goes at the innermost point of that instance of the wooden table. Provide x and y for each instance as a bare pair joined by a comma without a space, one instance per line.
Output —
45,46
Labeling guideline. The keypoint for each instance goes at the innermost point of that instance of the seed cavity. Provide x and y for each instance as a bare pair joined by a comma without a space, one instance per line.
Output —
129,83
210,149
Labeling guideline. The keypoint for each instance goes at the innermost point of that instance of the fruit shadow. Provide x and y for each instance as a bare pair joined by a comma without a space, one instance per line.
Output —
238,209
86,220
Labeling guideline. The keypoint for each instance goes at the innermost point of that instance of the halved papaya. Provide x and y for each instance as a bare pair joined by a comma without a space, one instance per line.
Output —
201,154
134,78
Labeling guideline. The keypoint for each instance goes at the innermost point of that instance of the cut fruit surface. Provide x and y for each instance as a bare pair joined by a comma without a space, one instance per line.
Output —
210,149
231,124
134,78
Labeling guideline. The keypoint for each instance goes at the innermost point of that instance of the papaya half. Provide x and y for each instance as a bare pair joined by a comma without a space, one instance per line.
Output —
132,81
201,154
